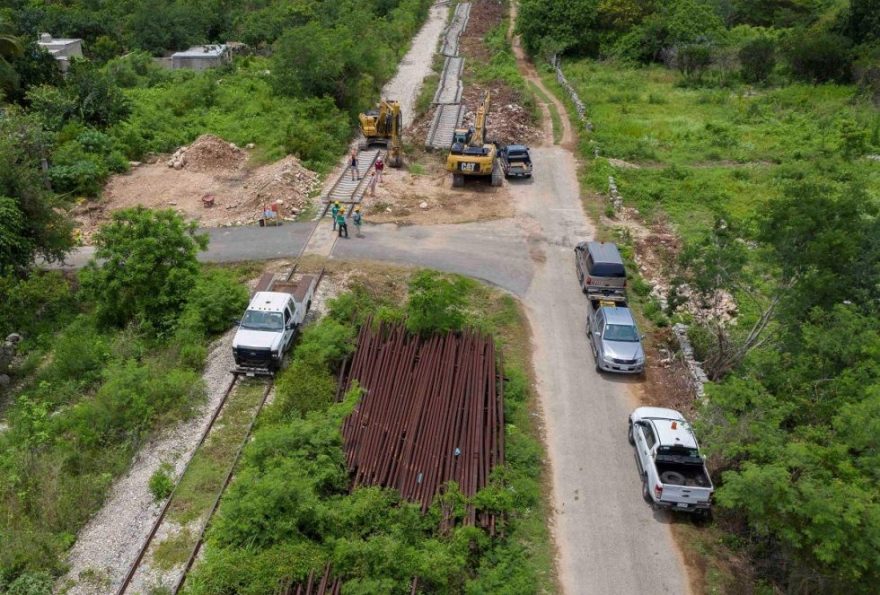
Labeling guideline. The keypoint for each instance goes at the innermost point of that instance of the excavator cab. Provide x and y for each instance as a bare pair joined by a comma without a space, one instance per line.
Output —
383,125
470,155
461,138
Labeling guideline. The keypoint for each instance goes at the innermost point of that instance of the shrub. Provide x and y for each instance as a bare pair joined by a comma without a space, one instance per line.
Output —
757,59
216,300
36,583
436,303
819,57
148,267
161,482
693,59
35,304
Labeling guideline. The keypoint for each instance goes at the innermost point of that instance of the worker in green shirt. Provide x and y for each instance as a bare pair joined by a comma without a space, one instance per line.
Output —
334,210
340,220
358,219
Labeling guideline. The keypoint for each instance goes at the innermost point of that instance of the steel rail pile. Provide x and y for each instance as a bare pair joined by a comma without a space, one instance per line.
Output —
431,413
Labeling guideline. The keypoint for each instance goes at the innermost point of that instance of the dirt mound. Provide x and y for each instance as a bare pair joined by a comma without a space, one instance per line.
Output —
212,185
208,153
286,180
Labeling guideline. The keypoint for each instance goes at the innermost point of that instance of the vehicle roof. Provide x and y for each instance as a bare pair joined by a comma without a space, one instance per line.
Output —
604,252
517,148
662,420
618,315
269,301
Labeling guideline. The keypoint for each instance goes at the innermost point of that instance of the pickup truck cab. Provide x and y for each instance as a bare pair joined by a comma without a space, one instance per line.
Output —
672,469
515,161
614,338
269,325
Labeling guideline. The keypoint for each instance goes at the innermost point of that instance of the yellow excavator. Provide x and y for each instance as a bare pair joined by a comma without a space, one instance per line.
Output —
382,126
470,155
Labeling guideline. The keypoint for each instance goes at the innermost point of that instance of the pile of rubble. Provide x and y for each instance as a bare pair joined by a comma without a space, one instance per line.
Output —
286,180
208,153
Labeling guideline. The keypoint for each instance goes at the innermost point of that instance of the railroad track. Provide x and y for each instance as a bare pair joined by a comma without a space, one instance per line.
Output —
447,99
351,192
230,390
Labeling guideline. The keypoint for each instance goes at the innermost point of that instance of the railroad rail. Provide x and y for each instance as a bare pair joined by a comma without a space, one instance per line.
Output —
351,192
230,389
447,99
432,413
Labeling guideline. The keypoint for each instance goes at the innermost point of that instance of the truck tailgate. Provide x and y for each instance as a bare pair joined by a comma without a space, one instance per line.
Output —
685,497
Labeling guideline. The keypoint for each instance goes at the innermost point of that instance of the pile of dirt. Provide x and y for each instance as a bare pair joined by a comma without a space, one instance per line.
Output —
213,185
509,122
285,180
207,154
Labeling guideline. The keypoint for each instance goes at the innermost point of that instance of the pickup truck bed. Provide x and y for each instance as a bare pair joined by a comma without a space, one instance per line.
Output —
683,475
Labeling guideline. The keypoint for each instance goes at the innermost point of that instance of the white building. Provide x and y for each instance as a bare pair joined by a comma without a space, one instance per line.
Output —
62,49
201,57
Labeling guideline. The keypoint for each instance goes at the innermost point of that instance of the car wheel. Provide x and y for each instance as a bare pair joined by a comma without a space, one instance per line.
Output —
629,434
646,495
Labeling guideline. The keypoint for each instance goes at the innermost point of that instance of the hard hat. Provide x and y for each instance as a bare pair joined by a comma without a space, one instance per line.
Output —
336,203
357,209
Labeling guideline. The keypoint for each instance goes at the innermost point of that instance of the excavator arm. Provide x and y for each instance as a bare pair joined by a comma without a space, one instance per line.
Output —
479,137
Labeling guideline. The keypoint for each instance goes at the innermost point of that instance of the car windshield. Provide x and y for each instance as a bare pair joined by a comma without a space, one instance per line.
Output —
262,321
620,332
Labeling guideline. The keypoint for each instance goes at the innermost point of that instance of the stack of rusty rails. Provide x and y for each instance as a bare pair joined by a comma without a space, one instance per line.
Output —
432,412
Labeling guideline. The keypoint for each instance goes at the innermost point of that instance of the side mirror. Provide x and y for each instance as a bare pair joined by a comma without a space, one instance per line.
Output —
597,333
290,326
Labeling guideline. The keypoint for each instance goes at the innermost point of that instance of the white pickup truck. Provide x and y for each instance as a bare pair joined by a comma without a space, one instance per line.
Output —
270,323
672,469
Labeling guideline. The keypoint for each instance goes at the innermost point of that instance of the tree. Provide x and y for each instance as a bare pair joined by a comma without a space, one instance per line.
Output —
549,25
825,241
819,57
757,59
10,48
145,266
693,59
33,222
436,304
863,21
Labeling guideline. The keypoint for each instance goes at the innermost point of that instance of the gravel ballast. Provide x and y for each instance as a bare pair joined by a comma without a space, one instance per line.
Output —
110,541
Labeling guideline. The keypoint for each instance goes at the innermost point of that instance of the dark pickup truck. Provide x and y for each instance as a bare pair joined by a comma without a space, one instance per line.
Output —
515,161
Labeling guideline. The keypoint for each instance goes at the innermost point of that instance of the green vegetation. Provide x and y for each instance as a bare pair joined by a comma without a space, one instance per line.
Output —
289,509
752,143
161,482
93,388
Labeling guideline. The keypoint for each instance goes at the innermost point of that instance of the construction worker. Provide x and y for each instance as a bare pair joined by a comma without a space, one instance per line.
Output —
334,210
374,178
357,221
353,162
340,220
380,167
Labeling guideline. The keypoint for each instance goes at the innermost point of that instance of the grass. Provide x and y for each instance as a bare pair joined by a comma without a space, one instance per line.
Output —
555,118
175,550
198,487
703,153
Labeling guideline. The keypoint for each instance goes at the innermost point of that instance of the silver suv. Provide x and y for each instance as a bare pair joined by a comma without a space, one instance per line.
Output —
615,340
